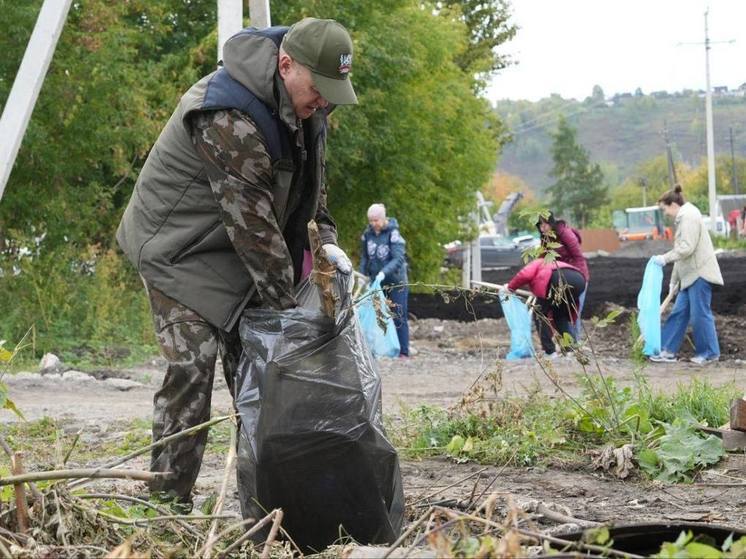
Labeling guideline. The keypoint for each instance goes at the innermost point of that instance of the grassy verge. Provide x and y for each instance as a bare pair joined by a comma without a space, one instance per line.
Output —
659,429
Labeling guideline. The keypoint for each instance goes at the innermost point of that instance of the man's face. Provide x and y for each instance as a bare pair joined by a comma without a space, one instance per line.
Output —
298,80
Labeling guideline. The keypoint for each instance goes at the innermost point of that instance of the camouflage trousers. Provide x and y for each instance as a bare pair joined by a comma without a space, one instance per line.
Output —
191,347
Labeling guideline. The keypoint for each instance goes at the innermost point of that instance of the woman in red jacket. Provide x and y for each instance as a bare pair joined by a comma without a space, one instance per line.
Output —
558,287
558,231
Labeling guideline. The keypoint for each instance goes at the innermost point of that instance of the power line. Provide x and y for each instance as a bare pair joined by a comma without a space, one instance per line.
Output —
546,113
518,131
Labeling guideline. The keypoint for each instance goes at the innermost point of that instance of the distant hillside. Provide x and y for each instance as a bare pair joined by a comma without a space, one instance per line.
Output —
619,133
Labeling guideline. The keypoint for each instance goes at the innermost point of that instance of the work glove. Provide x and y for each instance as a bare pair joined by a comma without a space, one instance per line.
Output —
659,260
337,256
380,276
503,293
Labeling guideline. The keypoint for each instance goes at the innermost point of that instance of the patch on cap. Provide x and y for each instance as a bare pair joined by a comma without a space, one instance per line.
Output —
345,63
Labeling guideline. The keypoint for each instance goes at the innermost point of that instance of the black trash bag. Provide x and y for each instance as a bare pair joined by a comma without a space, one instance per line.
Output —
312,440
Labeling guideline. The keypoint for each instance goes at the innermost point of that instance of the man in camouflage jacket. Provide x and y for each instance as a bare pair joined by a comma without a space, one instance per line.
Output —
218,217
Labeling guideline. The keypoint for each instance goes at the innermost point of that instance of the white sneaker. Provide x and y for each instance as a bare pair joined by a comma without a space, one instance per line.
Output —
699,360
663,357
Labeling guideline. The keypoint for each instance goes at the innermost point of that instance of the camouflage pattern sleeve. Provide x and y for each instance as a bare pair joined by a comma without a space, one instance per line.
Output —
323,218
239,169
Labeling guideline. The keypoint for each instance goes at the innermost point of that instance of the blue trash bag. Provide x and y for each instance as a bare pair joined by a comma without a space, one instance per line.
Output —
519,321
649,305
382,343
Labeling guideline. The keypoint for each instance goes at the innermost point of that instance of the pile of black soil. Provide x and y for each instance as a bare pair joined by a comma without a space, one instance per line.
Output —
613,280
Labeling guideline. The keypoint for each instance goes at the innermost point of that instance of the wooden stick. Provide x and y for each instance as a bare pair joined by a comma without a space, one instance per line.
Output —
156,444
459,482
406,534
272,534
230,459
6,535
9,451
497,286
20,493
147,520
100,473
62,530
606,551
546,512
227,531
143,502
250,532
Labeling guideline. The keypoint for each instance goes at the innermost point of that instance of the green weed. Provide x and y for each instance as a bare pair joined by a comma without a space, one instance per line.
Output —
219,438
69,294
539,429
636,342
681,450
687,545
727,243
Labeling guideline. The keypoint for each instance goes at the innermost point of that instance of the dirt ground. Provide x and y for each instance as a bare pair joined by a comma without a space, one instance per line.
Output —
450,357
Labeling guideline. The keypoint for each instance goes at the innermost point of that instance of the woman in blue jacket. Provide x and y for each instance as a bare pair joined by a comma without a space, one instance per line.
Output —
383,257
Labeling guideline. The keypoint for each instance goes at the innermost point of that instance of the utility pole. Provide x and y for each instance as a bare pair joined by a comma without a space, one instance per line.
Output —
711,186
28,81
736,190
230,21
259,13
644,185
672,178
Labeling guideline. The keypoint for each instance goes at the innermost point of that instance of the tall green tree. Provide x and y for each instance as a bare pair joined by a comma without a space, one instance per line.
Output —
117,72
579,187
422,140
488,26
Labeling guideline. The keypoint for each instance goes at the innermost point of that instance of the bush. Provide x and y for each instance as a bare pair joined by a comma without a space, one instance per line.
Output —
82,304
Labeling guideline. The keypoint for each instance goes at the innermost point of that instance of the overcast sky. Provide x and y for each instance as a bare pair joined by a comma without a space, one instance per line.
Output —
567,46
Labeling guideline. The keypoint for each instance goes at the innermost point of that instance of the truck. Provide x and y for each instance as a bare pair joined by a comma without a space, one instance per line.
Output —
639,224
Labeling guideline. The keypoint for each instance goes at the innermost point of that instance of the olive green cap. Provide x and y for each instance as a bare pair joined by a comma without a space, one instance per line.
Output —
324,47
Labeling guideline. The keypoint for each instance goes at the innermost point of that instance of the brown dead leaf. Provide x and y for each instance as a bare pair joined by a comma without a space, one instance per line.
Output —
617,461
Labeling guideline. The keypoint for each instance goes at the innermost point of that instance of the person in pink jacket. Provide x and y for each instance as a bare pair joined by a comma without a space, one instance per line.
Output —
569,250
558,287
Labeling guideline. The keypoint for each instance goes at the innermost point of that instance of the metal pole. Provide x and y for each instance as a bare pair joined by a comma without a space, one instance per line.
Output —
672,179
736,190
230,22
28,82
711,186
476,249
466,267
259,13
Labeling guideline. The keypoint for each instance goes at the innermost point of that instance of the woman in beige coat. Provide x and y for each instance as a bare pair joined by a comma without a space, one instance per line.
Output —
695,271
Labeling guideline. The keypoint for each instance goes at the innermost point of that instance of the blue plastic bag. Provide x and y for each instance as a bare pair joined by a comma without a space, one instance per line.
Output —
382,343
649,305
519,321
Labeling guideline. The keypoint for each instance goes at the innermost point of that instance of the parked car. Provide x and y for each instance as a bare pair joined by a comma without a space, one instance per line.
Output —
496,251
